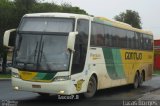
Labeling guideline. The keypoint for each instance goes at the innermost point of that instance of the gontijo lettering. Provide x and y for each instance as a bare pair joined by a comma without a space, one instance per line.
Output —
133,56
95,56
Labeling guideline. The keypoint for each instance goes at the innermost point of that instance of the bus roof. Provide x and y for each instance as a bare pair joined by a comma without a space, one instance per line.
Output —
97,19
120,25
65,15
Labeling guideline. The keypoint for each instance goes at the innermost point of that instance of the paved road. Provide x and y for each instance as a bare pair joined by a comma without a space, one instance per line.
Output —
110,96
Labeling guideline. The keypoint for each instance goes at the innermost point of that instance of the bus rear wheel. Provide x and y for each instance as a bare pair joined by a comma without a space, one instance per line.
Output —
92,88
136,81
141,78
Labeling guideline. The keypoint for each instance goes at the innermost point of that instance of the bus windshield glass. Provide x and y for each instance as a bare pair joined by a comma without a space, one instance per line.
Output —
47,24
43,51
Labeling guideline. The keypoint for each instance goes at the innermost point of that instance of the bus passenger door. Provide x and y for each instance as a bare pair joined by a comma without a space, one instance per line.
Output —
79,56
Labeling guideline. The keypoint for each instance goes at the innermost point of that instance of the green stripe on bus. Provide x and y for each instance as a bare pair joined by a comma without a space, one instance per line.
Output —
113,63
39,76
118,63
44,76
49,76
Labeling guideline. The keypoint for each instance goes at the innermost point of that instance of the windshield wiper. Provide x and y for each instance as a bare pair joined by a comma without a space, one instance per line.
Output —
41,52
42,55
35,51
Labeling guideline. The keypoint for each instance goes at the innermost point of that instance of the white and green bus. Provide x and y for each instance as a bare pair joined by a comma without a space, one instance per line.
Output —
65,54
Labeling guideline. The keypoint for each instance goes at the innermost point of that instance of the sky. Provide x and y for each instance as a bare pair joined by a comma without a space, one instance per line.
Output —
149,10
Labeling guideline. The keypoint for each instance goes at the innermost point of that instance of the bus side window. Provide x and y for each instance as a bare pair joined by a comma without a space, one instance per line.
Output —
93,35
150,38
137,40
100,35
97,35
145,42
124,38
107,36
81,45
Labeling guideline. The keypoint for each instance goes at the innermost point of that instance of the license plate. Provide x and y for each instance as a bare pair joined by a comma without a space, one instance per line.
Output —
36,86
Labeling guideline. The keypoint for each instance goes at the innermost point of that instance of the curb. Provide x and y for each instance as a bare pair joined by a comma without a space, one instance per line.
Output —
5,79
155,75
150,91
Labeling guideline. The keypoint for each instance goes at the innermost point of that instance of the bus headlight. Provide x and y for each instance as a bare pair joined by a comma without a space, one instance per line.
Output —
61,78
15,75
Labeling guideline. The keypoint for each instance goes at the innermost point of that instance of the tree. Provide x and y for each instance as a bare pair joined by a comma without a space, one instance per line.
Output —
66,7
25,4
7,10
130,17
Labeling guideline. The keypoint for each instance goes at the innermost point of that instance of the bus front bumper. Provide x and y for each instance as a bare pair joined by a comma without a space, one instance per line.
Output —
58,87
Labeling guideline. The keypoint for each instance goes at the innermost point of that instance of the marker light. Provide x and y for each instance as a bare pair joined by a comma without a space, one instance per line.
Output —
61,92
15,75
16,88
61,78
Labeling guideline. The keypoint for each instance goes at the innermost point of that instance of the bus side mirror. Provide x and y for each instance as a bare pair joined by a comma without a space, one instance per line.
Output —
7,39
71,40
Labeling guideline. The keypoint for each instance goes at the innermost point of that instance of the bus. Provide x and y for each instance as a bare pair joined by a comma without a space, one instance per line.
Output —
67,54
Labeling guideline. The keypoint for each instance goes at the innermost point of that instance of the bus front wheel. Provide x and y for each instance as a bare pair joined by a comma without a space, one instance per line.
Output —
44,94
92,88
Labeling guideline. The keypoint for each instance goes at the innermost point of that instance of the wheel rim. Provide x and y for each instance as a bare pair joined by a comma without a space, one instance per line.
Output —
91,88
141,80
136,81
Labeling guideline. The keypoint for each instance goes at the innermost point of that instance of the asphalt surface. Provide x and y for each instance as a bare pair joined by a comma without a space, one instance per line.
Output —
109,97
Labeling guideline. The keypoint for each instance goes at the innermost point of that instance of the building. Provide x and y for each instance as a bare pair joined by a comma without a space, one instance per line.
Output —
157,54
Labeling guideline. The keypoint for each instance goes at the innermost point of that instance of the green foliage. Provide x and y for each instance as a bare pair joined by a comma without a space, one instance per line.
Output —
24,5
7,10
156,72
130,17
5,76
7,17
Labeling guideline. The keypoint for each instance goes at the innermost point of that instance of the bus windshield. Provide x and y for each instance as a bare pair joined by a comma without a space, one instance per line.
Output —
40,24
42,51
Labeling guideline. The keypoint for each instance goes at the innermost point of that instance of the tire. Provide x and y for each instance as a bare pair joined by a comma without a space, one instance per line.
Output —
141,77
136,81
44,94
92,88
